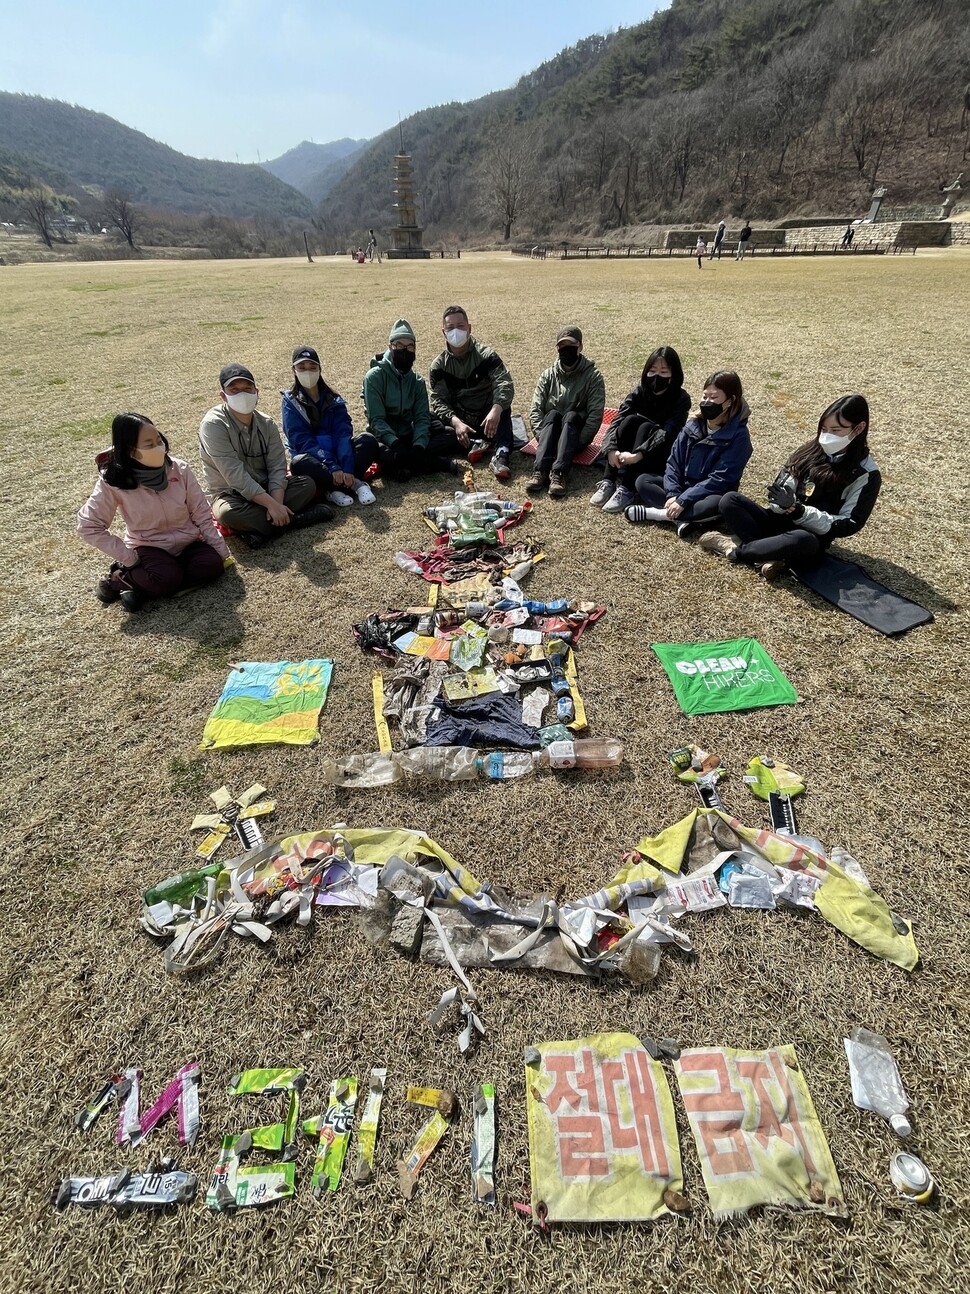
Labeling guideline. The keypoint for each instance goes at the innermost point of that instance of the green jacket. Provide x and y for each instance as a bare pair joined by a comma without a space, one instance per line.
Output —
580,391
396,403
468,385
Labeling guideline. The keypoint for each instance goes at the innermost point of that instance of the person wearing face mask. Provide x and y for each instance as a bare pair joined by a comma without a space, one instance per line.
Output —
706,460
567,410
319,435
245,467
170,541
643,431
398,413
471,392
827,490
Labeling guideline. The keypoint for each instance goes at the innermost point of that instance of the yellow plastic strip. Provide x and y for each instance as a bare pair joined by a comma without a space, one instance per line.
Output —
380,723
579,723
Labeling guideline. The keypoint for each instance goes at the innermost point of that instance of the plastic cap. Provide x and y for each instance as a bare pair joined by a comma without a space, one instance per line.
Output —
900,1125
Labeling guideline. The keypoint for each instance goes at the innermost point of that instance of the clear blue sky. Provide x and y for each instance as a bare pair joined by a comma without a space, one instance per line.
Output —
246,78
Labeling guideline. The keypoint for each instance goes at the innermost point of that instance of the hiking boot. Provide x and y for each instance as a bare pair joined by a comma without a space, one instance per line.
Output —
536,482
604,491
638,514
712,541
105,591
312,516
500,465
772,570
252,538
132,600
557,485
477,450
620,500
451,466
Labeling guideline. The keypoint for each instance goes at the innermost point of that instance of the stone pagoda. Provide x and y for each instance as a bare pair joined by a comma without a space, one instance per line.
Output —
406,234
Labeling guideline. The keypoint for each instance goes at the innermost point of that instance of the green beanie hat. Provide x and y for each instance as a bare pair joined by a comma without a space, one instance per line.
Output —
402,331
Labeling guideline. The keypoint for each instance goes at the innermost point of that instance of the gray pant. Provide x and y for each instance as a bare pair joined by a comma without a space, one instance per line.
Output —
237,513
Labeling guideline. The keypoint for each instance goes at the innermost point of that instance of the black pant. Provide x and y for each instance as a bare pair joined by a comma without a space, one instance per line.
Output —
404,458
628,431
651,490
558,436
503,438
367,450
766,536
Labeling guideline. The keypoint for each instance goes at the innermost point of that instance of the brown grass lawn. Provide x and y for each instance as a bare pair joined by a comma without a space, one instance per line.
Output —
102,716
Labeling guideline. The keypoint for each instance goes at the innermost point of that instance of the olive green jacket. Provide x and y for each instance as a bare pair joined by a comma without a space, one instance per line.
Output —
580,391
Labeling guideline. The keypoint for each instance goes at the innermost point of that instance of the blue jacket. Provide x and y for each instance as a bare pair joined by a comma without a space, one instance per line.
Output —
706,462
332,442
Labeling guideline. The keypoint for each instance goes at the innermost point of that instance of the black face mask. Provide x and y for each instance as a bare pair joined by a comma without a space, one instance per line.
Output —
403,360
568,355
710,410
657,384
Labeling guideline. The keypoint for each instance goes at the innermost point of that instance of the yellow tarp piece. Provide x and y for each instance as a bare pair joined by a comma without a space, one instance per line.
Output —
756,1131
669,849
603,1141
268,703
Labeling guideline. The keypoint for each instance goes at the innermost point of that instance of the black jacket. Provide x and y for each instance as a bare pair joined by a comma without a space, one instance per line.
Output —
663,418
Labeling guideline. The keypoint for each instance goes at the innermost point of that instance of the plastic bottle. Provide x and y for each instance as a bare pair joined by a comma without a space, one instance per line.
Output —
500,765
443,763
588,752
181,889
466,501
442,512
372,769
875,1078
407,563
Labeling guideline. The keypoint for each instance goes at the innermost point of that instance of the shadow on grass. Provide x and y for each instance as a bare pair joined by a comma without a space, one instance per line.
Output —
206,616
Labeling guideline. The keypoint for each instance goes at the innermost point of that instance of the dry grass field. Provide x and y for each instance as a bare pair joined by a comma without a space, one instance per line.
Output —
102,715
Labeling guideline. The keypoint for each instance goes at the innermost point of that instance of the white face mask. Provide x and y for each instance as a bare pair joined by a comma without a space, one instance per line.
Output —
242,401
832,444
456,336
308,377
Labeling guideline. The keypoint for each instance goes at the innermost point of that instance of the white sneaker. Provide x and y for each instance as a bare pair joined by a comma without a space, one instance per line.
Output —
339,499
620,500
365,494
603,492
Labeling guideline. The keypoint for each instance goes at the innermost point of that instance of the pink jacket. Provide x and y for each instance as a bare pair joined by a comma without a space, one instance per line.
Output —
171,518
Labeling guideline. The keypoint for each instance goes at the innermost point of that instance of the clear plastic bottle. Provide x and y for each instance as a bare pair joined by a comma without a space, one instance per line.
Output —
500,765
442,763
876,1081
372,769
466,501
407,563
588,752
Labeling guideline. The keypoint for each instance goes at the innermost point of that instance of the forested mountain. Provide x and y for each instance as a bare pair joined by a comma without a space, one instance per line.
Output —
737,107
91,148
315,168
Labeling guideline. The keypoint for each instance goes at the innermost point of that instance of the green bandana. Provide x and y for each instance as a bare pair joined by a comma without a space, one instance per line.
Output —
710,677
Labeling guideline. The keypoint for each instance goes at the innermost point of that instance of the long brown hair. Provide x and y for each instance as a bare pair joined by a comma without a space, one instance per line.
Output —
728,382
810,459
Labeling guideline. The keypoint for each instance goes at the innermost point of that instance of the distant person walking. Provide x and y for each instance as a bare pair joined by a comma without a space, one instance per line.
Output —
847,237
718,240
700,251
744,238
372,247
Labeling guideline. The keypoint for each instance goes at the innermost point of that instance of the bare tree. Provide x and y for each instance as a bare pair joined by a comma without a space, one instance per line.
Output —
41,208
509,174
121,212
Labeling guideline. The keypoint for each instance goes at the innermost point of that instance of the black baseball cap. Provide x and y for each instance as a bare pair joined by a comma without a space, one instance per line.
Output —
230,372
305,352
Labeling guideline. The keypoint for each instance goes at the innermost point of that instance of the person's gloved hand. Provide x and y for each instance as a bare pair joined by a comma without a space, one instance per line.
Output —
781,492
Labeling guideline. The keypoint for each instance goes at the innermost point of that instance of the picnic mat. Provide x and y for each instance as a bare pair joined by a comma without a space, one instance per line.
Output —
603,1141
848,587
711,677
591,453
756,1131
268,702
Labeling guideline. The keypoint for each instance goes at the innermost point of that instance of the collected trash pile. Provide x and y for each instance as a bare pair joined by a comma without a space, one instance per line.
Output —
603,1139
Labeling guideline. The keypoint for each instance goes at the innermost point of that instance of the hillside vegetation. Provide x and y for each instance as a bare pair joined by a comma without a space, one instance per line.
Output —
713,107
315,168
92,149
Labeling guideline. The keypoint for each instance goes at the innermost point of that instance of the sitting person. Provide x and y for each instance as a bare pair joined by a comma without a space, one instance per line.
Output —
471,392
827,490
644,429
245,467
707,460
567,410
398,414
320,436
171,542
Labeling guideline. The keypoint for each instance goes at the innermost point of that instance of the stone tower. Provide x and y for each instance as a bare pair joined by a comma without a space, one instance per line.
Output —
406,234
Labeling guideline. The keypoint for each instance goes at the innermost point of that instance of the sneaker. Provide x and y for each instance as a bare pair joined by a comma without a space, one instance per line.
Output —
132,600
604,491
500,465
365,494
450,465
557,485
477,450
712,541
340,500
252,538
619,500
639,514
105,591
685,529
312,516
772,570
536,482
